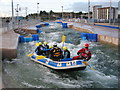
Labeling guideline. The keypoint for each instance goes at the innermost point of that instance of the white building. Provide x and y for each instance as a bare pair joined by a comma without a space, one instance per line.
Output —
95,11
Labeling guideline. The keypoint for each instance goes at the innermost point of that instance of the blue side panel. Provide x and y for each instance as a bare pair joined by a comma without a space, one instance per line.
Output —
28,39
66,59
58,22
42,60
52,64
34,57
71,63
46,24
64,25
108,26
21,38
63,64
95,37
35,37
84,38
89,36
38,26
78,62
39,31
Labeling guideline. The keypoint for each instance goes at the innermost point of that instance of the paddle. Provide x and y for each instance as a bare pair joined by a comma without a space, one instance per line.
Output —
86,63
63,39
37,57
29,55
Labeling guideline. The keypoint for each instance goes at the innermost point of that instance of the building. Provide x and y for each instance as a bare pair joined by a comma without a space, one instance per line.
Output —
95,11
105,14
119,9
119,5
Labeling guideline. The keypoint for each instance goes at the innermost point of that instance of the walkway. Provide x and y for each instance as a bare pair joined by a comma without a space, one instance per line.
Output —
97,29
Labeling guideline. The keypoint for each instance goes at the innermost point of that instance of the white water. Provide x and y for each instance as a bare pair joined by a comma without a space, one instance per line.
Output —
26,73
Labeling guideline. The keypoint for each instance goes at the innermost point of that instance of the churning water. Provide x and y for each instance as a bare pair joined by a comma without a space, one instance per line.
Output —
24,73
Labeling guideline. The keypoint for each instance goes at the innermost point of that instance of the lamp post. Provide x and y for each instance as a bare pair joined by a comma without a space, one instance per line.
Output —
12,15
88,11
26,11
17,10
37,10
62,12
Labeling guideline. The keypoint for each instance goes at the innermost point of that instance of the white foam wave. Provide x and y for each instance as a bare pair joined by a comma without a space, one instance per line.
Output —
31,86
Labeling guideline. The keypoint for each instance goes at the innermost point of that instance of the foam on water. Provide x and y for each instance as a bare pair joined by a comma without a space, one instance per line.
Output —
27,73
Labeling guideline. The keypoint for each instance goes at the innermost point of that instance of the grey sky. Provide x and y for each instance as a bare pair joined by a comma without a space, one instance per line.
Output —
47,5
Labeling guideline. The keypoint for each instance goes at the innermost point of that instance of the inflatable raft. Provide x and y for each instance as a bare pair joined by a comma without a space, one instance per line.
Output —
64,64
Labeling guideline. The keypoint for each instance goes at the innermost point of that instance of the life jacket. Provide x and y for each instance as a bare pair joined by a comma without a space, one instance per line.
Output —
85,53
66,54
56,52
46,46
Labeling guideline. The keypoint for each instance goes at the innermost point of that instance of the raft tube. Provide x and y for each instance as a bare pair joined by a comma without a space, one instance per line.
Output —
60,65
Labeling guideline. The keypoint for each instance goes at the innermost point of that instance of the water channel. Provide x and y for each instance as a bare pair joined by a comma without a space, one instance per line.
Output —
22,72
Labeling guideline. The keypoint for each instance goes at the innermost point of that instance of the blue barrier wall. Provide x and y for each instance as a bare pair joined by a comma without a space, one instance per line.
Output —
39,31
59,22
64,25
108,26
21,38
35,37
89,36
38,26
28,39
46,24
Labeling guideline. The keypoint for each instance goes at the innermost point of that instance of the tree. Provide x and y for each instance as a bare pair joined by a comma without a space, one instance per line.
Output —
41,12
51,12
80,13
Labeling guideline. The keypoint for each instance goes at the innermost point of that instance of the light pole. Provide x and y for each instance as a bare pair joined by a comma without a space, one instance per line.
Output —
17,10
37,10
12,15
62,12
26,10
88,11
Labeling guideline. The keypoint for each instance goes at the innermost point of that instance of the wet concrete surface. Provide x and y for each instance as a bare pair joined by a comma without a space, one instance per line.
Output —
98,29
9,44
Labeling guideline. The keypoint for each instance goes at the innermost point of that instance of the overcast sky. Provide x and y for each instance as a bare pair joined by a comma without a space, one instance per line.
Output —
47,5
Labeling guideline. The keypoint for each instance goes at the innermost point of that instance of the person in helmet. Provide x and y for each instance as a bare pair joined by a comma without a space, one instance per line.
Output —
55,53
83,53
46,48
39,49
66,53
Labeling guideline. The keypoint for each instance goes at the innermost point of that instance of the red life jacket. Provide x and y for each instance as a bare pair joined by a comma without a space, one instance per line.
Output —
84,52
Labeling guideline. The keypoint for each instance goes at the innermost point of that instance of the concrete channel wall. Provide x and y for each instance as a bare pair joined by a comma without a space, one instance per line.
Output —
9,44
9,41
101,38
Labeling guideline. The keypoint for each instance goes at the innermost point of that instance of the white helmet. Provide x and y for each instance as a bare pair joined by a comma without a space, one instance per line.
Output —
55,45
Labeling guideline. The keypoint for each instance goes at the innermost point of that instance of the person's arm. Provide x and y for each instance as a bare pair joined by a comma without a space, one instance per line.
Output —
66,54
36,49
80,51
89,56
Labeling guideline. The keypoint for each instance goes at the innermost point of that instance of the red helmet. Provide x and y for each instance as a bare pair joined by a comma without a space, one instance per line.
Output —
86,45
